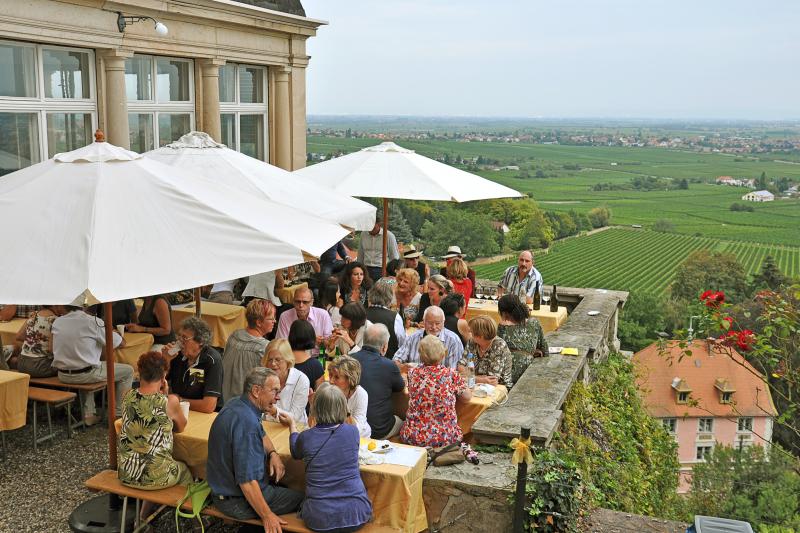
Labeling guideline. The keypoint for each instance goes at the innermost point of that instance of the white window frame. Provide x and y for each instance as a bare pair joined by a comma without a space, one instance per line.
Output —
237,109
40,105
670,424
155,108
700,428
746,429
709,447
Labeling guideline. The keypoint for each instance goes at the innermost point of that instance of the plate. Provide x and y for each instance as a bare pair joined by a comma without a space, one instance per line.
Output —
380,446
593,313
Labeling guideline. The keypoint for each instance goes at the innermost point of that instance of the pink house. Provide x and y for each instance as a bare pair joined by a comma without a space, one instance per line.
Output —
712,397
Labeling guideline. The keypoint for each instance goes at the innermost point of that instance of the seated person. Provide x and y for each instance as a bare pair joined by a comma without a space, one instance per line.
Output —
242,457
122,312
433,391
329,297
155,318
521,280
354,283
454,309
433,322
523,334
294,384
345,373
304,310
149,417
452,253
438,288
347,338
195,374
36,335
380,377
246,347
78,342
411,259
302,340
457,274
407,295
336,499
492,357
380,300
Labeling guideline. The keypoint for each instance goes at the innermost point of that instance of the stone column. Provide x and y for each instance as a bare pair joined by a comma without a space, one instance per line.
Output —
210,113
283,127
117,129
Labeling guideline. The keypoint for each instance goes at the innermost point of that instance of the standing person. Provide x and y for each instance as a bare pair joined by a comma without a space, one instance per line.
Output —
522,279
222,292
304,310
380,298
523,334
380,377
78,342
195,373
336,499
36,335
263,286
345,373
370,251
239,452
457,274
452,253
411,257
354,283
155,318
246,347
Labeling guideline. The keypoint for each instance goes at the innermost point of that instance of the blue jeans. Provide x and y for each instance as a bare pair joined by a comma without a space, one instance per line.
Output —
280,500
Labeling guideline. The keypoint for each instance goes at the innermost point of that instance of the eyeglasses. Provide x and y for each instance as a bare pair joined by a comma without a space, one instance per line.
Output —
184,338
270,318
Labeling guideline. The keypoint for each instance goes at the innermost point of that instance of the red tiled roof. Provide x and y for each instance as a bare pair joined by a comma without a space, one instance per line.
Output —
700,371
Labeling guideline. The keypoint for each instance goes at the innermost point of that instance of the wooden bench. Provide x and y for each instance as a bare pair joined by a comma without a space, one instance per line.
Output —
56,398
107,481
88,388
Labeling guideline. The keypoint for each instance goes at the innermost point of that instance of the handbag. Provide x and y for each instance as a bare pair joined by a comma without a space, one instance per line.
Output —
446,455
198,492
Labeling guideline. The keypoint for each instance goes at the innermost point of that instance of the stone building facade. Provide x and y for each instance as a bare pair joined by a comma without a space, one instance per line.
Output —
234,69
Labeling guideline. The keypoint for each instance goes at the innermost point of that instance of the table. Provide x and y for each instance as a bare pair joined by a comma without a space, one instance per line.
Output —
550,321
13,399
286,294
8,330
467,413
395,491
223,319
136,344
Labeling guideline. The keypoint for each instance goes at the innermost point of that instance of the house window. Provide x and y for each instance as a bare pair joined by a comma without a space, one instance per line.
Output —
243,108
47,102
670,424
683,397
725,397
703,452
745,423
160,92
705,425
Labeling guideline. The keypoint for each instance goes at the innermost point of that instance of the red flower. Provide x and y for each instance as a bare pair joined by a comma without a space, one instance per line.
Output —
745,339
729,337
729,320
706,295
713,299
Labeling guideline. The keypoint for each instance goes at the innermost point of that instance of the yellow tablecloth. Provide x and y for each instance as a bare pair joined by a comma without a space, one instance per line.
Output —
286,294
550,321
136,344
395,491
8,330
468,413
13,399
223,319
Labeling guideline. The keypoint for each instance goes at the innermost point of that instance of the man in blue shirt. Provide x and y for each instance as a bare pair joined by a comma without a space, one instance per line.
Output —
433,321
239,449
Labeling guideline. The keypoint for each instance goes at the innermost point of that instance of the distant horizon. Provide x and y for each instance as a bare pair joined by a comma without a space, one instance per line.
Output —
697,120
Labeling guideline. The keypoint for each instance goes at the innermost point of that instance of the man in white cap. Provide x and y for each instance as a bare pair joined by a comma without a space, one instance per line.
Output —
370,250
452,252
412,260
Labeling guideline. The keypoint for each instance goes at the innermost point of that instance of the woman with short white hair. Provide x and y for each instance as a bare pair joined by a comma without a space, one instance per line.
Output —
294,384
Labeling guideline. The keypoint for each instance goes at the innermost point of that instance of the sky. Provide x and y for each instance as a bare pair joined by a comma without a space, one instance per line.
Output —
698,59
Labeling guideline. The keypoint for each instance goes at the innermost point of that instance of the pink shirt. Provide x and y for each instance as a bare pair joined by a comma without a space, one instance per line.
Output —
319,318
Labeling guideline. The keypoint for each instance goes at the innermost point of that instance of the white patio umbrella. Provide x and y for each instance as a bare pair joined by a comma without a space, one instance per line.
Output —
102,223
391,171
198,152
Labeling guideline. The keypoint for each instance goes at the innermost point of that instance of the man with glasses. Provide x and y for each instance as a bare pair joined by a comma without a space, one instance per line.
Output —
246,347
433,321
304,310
239,451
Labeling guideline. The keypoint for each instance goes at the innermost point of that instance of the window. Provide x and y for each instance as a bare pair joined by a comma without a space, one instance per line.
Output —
726,397
160,92
683,397
47,102
703,452
705,425
243,108
745,423
670,424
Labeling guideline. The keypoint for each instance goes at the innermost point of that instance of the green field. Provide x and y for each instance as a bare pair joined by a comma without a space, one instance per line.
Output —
703,209
637,260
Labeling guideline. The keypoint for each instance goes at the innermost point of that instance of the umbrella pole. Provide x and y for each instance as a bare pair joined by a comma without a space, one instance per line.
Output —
385,232
197,302
111,397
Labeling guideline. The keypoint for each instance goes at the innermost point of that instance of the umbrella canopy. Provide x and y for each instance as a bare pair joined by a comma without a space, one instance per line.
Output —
109,224
390,171
198,152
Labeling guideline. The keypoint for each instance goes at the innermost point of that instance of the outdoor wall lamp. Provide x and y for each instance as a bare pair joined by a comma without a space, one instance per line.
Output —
123,21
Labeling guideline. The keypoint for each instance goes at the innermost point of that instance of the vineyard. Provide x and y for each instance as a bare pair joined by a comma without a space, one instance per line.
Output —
636,260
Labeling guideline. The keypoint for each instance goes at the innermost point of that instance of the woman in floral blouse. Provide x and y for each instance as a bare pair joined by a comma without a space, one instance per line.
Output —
523,334
433,391
492,357
36,336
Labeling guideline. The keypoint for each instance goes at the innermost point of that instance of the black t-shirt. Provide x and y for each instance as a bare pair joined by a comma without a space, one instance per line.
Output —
312,368
202,379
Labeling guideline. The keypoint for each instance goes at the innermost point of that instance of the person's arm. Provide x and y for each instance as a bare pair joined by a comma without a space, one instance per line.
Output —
299,397
283,325
212,389
295,444
206,405
133,313
8,312
252,492
392,252
507,377
276,468
399,330
361,246
397,382
325,323
341,250
402,354
359,412
23,330
174,412
463,393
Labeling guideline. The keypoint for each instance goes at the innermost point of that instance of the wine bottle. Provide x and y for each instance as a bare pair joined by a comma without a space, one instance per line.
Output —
537,299
554,300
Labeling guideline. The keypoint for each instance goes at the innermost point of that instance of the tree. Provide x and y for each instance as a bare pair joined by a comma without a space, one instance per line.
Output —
706,270
533,232
664,226
473,233
599,217
641,320
683,184
397,223
761,182
770,276
416,213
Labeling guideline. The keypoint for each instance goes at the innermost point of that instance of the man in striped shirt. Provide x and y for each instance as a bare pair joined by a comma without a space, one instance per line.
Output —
522,279
433,321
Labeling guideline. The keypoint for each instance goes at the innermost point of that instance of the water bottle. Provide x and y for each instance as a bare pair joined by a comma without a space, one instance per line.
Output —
470,371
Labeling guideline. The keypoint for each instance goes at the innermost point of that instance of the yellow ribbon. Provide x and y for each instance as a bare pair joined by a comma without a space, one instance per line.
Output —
522,451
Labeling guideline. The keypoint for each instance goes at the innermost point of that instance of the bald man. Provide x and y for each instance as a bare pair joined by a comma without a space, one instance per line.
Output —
522,279
303,309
